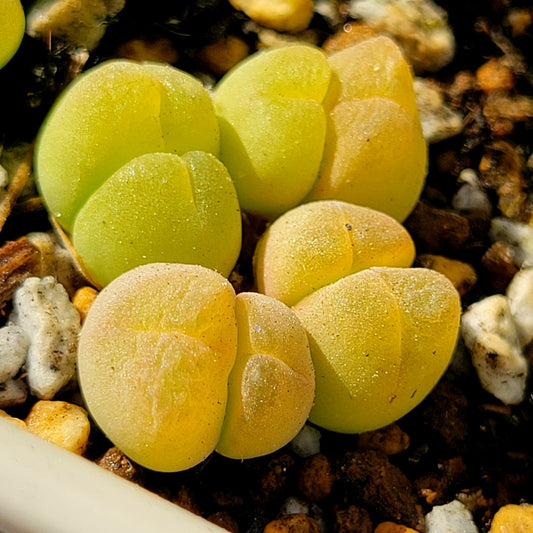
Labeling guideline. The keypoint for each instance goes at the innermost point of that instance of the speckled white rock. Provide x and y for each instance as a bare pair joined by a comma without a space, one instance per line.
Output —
419,26
13,347
453,517
77,22
307,442
520,297
489,333
13,392
56,261
43,310
517,235
470,197
439,121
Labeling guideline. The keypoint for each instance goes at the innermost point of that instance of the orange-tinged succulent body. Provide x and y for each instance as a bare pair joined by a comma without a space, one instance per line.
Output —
297,125
157,350
380,340
318,243
271,387
375,154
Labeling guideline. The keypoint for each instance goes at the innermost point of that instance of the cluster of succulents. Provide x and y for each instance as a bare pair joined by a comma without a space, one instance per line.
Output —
149,174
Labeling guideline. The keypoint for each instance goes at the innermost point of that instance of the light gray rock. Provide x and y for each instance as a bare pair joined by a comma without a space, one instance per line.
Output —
453,517
489,333
439,121
43,310
419,26
80,23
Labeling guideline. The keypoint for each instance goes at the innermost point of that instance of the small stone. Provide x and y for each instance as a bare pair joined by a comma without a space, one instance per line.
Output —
271,475
520,297
281,15
294,523
329,10
306,442
435,487
64,424
453,517
513,519
13,348
390,440
495,75
352,519
462,275
316,478
499,263
502,168
502,111
221,56
520,19
83,299
158,49
269,38
392,527
438,230
43,310
116,462
4,177
517,235
13,392
488,331
75,22
471,198
419,26
294,505
351,32
372,480
439,121
474,500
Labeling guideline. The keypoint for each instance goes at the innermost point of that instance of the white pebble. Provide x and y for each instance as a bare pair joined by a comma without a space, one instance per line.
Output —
471,198
76,22
13,392
41,307
4,177
517,235
419,26
490,335
520,298
56,261
453,517
307,442
439,121
13,348
294,505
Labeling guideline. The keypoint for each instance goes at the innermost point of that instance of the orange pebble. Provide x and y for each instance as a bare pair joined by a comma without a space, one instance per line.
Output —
513,519
392,527
83,300
495,75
